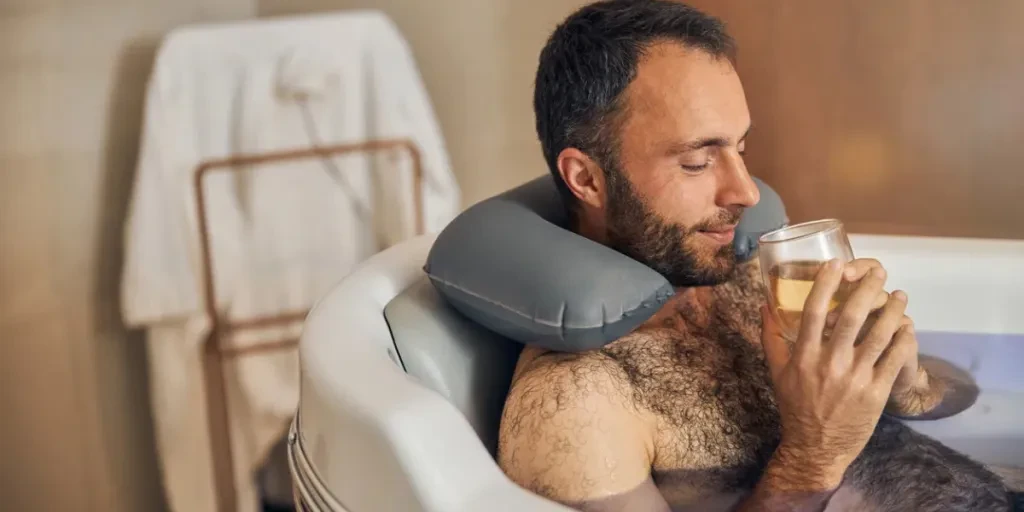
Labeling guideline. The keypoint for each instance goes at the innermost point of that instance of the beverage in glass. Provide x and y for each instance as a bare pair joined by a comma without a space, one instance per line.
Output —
790,259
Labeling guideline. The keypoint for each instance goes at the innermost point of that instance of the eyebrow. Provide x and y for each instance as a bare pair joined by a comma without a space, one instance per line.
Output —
677,147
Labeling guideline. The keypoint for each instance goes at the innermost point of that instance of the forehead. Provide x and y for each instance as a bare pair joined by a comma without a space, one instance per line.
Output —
684,94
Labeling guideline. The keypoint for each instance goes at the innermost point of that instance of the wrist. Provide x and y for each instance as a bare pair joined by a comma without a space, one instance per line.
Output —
795,469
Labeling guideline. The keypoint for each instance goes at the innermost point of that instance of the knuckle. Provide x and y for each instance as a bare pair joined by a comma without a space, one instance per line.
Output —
891,320
870,262
879,273
872,286
868,376
909,332
844,331
906,345
827,372
873,344
878,394
898,342
805,365
858,379
882,277
809,368
851,319
911,343
814,314
836,367
852,311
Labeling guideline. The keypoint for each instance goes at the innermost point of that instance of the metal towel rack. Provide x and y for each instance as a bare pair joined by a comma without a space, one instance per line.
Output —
214,354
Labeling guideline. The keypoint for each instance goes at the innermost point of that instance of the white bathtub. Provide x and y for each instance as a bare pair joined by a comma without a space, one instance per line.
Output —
967,302
371,438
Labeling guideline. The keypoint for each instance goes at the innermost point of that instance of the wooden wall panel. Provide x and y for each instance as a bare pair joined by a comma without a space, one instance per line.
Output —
896,116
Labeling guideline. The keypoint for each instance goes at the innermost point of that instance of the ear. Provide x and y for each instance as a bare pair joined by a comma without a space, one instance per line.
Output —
583,176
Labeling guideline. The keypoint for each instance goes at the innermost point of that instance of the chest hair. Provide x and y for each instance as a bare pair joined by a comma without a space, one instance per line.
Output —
702,374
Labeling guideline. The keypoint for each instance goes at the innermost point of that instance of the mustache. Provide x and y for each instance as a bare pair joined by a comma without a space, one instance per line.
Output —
725,217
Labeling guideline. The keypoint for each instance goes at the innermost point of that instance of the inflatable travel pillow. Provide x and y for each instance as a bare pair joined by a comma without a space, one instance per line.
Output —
510,264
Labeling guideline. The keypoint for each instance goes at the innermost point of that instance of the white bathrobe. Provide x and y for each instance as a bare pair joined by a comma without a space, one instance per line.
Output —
281,234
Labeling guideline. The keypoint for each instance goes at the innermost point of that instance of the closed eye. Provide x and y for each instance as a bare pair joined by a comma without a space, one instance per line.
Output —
694,168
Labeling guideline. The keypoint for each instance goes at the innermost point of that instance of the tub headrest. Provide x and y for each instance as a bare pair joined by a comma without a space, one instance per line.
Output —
510,264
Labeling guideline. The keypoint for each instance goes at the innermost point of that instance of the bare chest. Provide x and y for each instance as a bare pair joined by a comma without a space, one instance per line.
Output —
703,377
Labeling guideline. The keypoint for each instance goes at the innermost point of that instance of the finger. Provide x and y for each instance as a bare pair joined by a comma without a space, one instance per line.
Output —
857,308
816,308
858,268
880,300
833,316
776,351
902,348
884,329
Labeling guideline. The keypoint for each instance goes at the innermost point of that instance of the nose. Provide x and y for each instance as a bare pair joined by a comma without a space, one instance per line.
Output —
737,188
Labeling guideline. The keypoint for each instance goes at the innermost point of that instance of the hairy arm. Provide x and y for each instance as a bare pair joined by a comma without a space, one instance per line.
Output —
568,433
788,485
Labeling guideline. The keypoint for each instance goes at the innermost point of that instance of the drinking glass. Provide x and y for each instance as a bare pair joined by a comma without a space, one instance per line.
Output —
790,258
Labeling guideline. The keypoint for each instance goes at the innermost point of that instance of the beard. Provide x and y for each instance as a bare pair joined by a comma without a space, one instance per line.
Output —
671,249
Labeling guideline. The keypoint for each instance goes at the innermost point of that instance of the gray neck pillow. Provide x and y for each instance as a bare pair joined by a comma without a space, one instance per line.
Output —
510,264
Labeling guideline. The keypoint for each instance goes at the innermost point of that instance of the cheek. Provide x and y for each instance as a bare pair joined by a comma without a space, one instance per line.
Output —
686,200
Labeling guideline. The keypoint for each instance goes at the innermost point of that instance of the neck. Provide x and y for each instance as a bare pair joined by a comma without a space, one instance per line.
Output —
687,299
589,224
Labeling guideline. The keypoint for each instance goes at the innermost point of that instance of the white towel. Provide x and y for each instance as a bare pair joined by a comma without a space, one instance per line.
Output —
281,234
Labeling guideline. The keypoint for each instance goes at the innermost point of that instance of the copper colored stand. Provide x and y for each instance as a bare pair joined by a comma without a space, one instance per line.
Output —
213,353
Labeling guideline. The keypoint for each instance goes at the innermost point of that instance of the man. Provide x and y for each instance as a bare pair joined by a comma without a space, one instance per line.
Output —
643,121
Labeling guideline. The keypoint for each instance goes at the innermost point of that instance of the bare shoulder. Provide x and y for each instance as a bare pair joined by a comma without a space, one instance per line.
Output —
569,430
550,383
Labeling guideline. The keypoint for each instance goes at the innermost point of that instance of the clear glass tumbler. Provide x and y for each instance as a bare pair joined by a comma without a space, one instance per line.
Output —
790,258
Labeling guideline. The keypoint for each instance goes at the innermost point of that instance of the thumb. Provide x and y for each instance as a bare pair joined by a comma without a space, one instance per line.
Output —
776,351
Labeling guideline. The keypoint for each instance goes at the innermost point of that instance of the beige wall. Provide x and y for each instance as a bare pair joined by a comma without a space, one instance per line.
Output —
478,59
75,433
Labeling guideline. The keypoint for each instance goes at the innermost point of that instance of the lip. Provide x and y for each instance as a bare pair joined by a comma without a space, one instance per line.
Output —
723,236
